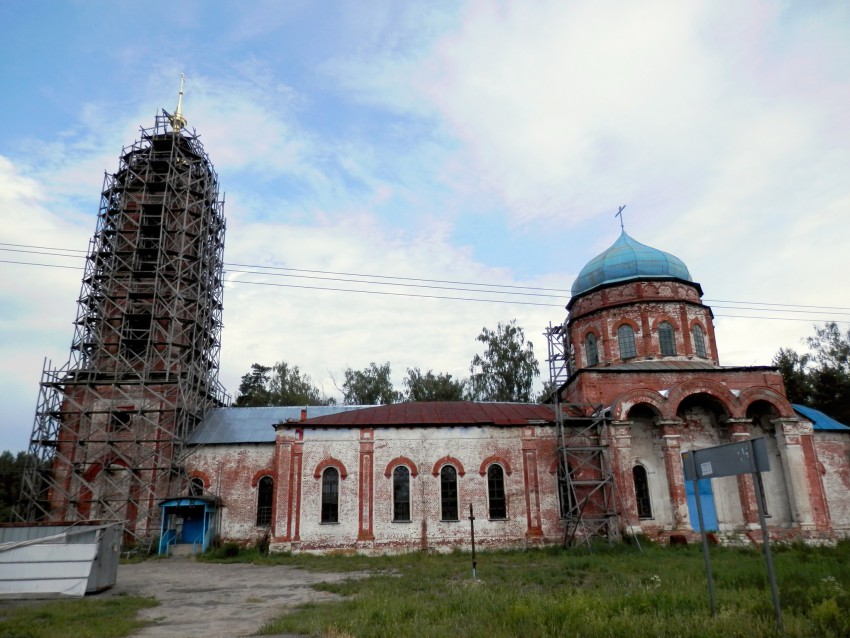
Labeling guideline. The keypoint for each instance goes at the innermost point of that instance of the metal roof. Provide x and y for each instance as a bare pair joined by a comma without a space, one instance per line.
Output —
628,259
819,420
439,413
254,425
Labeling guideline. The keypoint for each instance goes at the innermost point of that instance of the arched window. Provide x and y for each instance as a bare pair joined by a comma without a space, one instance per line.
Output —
626,339
265,494
448,493
330,495
401,494
196,486
591,350
566,492
699,341
496,492
667,339
644,505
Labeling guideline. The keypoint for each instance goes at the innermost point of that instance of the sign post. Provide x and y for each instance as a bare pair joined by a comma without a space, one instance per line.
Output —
765,540
732,459
709,575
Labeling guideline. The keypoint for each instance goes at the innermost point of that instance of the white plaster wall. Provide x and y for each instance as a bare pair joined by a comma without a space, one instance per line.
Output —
424,447
230,469
647,450
777,498
319,445
833,450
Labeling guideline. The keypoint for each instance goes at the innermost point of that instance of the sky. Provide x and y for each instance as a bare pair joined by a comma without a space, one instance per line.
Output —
377,150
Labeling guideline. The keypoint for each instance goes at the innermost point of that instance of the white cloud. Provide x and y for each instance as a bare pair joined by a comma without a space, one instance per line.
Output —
325,332
722,127
38,302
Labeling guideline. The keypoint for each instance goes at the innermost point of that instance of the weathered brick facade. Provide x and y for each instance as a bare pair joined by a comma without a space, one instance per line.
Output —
642,346
365,459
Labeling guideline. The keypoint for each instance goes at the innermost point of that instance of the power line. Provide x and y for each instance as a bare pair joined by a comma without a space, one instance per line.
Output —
387,280
255,267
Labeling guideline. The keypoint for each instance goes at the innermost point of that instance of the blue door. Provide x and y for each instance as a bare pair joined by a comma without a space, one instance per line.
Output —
706,499
193,525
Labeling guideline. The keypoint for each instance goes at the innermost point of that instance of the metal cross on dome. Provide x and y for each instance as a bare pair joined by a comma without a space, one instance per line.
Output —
619,214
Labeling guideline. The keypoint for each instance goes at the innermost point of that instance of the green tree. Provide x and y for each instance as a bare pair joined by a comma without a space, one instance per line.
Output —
254,387
430,387
793,365
11,479
505,371
370,386
820,379
280,384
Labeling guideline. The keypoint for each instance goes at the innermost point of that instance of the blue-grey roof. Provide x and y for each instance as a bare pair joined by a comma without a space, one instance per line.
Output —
628,259
819,420
254,425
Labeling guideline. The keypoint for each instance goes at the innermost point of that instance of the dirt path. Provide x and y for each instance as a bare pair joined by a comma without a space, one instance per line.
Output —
207,600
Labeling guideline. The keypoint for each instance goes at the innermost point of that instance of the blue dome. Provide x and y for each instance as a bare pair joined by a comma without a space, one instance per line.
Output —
628,259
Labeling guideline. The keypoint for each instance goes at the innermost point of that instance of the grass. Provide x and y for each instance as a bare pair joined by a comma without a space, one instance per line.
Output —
80,617
614,591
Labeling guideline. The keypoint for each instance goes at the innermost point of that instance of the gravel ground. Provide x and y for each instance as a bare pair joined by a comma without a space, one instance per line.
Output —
208,600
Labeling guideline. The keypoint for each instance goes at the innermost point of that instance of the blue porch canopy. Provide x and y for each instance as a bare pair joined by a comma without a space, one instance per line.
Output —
187,520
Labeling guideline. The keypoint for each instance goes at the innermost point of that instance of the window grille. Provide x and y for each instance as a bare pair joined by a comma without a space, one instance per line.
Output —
699,341
196,487
265,493
401,494
644,505
667,339
496,492
330,495
566,493
626,340
448,493
591,350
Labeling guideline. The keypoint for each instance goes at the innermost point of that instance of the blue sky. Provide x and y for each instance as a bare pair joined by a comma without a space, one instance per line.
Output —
479,142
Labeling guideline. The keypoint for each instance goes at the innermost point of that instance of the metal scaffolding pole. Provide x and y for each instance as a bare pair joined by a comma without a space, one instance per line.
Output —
586,486
112,424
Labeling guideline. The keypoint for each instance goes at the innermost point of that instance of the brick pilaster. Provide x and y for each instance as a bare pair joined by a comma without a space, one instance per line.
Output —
671,441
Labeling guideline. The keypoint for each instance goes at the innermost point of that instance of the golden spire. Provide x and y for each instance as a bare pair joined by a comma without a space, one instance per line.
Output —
177,120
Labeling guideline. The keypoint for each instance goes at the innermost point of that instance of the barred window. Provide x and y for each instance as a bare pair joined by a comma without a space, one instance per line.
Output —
330,495
196,486
667,339
496,492
265,493
699,341
644,505
448,493
566,492
401,494
626,339
591,350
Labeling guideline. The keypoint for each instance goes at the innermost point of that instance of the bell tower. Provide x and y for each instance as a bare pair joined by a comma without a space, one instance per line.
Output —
111,425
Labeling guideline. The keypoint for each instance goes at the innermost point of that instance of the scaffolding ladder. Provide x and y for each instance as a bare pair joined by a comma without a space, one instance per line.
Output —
586,486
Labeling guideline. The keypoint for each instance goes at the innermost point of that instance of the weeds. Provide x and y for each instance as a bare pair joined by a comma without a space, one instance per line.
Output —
615,591
81,618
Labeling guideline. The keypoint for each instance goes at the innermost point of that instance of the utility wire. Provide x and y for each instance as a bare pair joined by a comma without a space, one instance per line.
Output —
261,268
395,281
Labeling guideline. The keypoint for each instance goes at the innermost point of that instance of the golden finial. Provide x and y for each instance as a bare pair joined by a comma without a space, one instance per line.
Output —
177,120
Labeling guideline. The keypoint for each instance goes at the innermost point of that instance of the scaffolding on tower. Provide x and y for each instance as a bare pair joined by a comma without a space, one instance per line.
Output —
112,424
586,486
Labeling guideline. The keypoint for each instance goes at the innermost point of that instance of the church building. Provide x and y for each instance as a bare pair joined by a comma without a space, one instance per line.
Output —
134,427
642,384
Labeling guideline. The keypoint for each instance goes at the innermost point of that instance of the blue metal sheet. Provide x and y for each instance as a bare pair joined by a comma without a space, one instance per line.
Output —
820,420
628,259
254,425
